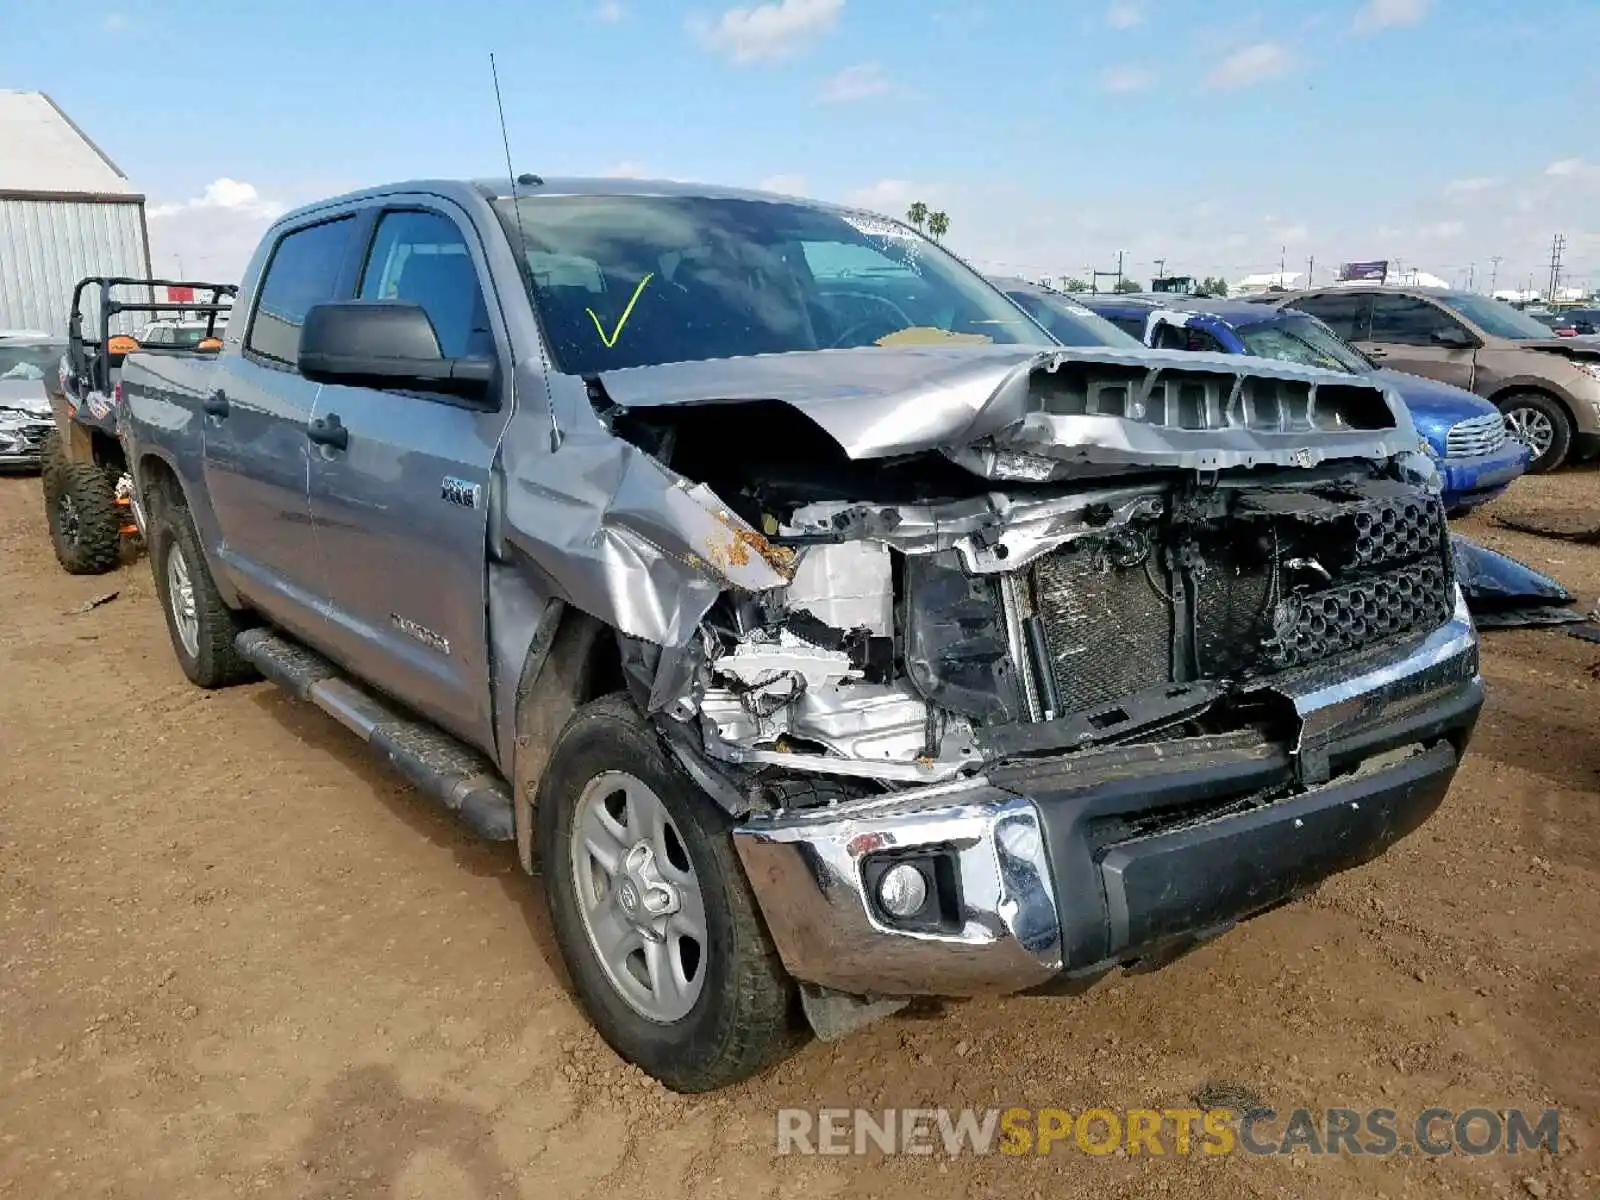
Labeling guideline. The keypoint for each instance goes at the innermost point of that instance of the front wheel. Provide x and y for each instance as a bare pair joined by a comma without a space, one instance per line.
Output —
651,909
80,505
1542,425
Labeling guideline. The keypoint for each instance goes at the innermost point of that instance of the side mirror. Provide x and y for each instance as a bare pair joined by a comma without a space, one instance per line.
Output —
1456,339
385,344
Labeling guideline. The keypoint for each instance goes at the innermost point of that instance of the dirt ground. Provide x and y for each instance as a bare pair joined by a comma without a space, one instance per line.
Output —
239,958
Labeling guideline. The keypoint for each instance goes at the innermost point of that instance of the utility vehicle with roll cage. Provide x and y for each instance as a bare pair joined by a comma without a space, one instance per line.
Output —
91,506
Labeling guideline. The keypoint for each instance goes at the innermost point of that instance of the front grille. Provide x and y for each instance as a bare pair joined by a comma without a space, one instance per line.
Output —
1309,628
1478,435
1268,587
1107,627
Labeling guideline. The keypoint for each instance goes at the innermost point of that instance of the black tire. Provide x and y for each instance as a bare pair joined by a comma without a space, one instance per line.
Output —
51,460
80,506
213,662
1537,404
744,1018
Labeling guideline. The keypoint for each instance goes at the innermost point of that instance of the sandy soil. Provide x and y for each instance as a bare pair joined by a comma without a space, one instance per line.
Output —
238,958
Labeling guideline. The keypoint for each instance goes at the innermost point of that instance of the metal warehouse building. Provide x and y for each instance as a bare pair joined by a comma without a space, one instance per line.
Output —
66,211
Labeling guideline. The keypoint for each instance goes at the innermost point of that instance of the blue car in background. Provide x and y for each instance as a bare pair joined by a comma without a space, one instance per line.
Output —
1466,433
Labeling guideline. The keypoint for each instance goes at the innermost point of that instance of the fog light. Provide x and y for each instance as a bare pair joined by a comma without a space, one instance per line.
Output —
902,891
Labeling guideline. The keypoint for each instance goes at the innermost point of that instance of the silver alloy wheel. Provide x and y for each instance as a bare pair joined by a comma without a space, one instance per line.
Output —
640,901
180,595
1532,428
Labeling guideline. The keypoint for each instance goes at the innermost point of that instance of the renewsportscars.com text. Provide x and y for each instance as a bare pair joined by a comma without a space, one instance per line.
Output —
1165,1131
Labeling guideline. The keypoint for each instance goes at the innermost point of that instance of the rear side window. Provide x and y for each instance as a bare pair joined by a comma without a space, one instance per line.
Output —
422,257
304,271
1132,326
1339,313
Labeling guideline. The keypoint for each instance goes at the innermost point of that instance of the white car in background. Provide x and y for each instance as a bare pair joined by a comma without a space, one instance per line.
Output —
27,359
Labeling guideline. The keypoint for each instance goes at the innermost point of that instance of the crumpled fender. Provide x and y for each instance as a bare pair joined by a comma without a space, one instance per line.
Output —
623,538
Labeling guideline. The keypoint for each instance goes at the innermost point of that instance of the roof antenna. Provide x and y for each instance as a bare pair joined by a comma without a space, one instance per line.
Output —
528,180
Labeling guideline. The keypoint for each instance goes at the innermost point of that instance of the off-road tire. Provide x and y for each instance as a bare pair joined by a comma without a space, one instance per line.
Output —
80,506
746,1015
1560,423
51,459
215,663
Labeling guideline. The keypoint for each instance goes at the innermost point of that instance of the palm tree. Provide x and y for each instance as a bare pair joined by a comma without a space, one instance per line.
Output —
938,224
917,213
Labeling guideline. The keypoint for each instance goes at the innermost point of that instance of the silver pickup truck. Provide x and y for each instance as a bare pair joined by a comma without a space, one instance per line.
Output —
822,633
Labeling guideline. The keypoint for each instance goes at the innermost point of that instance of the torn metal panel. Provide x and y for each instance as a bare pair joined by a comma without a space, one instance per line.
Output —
1075,407
992,533
623,538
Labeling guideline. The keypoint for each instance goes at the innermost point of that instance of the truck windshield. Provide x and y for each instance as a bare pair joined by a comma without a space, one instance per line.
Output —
1496,317
631,281
1301,340
33,361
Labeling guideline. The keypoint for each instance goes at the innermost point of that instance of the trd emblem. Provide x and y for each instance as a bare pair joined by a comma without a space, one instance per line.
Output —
460,491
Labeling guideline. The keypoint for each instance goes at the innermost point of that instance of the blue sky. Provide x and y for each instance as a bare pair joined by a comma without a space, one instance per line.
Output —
1054,133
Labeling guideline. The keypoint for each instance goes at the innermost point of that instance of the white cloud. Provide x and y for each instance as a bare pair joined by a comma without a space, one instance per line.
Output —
1121,80
212,235
1387,14
610,12
1124,14
768,31
788,185
1441,231
229,194
1572,168
1467,187
891,196
1253,64
860,82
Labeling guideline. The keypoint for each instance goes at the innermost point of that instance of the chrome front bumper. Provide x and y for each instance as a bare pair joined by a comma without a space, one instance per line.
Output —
806,867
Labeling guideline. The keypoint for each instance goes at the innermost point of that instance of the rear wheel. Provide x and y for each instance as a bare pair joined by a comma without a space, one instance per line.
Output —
1541,424
81,509
651,908
201,624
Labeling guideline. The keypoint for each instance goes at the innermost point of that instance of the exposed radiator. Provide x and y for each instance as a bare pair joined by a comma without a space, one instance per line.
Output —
1271,588
1107,623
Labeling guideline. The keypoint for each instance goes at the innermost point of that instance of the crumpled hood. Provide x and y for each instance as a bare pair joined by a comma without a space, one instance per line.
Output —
24,395
882,401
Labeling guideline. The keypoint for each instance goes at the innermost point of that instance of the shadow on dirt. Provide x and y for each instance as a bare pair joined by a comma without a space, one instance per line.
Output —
486,860
365,1129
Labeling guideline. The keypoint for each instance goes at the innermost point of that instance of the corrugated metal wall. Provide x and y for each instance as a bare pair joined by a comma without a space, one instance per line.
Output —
46,246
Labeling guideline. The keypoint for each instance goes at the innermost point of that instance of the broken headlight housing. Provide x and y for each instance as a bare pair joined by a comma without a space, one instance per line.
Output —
1421,467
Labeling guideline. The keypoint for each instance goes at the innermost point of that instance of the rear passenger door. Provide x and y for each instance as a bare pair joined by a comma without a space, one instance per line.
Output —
401,510
257,456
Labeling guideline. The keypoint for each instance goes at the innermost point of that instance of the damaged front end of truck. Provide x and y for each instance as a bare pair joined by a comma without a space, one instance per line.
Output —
1017,666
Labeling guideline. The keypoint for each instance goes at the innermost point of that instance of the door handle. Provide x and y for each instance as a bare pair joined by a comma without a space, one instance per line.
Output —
216,404
329,431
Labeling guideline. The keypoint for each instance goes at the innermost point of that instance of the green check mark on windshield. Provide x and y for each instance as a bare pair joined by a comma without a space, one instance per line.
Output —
623,319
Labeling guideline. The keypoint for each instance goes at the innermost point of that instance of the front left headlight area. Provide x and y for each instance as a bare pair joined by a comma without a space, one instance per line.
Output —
1421,467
